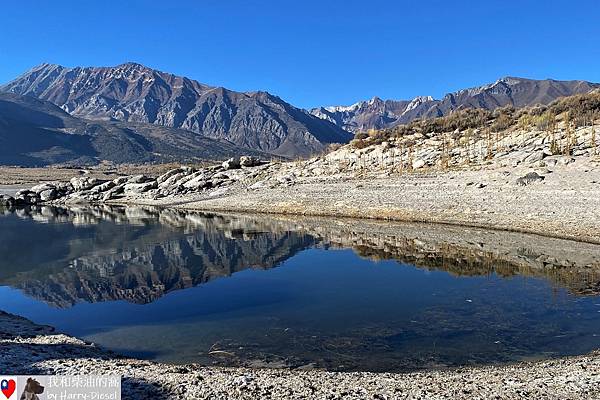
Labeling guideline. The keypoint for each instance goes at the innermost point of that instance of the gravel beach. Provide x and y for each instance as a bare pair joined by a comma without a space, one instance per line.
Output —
32,349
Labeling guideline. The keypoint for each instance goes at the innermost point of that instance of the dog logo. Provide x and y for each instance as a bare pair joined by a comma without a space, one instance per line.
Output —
8,387
32,389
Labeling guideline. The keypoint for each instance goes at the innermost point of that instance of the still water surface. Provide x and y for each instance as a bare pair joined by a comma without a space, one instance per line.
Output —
226,290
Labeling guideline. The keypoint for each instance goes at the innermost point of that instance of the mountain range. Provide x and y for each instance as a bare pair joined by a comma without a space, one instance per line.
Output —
134,114
134,93
516,92
35,132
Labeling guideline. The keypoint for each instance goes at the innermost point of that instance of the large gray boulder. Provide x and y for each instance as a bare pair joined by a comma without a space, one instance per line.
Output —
137,188
43,187
49,194
138,179
176,171
80,183
249,161
103,187
232,163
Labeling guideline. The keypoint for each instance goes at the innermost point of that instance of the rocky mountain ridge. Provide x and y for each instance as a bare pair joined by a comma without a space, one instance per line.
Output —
35,132
508,91
132,92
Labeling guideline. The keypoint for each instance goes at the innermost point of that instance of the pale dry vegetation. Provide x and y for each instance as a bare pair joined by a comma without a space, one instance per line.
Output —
477,136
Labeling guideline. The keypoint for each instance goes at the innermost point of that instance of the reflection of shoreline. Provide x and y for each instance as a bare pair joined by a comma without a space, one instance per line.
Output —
176,250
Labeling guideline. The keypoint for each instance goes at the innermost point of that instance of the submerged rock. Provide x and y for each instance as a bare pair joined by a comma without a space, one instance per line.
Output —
7,201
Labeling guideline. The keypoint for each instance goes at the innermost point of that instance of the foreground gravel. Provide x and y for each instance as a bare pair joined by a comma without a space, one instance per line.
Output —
32,349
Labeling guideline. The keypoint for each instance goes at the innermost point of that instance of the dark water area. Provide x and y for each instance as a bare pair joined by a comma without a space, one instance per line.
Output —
258,291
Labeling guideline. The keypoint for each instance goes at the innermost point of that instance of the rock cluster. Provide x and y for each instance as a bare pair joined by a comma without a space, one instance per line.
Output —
178,181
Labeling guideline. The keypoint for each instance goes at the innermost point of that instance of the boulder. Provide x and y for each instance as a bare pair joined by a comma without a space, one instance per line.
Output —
528,179
7,201
249,161
418,164
171,180
232,163
49,195
80,183
137,188
198,182
168,174
120,180
23,194
43,187
103,187
113,193
138,179
64,188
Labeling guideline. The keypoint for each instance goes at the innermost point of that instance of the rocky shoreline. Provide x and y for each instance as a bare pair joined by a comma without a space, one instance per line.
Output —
559,201
28,348
516,182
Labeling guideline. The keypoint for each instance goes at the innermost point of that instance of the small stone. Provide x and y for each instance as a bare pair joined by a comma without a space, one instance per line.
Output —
529,178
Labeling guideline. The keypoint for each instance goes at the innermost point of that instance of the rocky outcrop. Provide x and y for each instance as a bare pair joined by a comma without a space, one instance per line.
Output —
176,182
416,152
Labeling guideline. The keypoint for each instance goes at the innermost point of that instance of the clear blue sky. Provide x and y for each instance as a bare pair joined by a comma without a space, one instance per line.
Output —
312,52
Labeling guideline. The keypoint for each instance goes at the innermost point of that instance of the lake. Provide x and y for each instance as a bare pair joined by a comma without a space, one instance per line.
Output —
338,294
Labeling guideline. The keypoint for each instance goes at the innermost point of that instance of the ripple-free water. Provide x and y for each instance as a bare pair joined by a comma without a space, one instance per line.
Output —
227,290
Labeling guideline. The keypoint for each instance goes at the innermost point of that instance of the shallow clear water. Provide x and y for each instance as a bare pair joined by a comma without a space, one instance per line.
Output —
228,290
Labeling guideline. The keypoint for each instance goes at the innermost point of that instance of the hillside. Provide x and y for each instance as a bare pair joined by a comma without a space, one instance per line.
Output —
137,94
509,91
37,133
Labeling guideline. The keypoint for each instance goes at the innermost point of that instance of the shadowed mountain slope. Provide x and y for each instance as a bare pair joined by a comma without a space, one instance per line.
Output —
36,133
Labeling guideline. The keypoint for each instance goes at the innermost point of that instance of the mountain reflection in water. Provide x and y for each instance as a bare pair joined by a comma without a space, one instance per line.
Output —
121,253
339,294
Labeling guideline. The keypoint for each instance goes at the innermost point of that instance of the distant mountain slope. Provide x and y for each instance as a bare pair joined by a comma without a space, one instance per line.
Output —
518,92
35,133
134,93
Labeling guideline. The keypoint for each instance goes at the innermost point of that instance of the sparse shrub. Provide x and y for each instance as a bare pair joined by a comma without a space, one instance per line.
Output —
360,144
361,136
502,123
542,122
